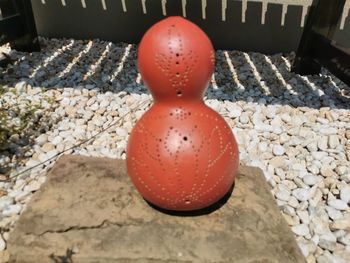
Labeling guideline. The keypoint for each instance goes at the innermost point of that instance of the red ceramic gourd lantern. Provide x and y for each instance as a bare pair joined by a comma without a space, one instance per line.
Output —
181,154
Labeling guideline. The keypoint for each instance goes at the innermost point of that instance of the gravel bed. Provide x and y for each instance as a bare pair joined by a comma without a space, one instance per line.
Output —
295,128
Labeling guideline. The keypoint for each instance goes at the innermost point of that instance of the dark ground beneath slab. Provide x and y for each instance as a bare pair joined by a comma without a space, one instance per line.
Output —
88,211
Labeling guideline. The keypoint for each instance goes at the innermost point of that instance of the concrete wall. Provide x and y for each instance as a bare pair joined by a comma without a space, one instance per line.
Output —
267,26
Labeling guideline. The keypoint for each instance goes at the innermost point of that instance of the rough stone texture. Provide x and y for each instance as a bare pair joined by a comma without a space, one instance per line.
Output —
89,206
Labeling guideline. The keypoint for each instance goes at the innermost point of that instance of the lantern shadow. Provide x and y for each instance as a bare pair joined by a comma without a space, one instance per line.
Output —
200,212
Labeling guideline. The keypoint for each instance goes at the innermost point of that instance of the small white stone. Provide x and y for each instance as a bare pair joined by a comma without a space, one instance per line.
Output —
280,173
65,101
278,150
47,147
312,146
341,170
2,244
301,194
32,186
234,112
22,196
121,132
333,141
328,241
334,213
41,139
57,140
51,154
288,210
345,240
301,230
319,155
94,107
342,223
12,210
283,193
327,171
304,248
278,162
244,118
293,202
263,147
6,235
286,117
20,183
64,126
327,257
345,194
310,179
313,169
345,178
5,201
304,216
31,163
284,137
328,130
14,193
42,157
322,143
337,204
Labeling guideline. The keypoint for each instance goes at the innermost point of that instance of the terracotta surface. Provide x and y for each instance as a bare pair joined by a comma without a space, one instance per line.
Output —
89,206
181,154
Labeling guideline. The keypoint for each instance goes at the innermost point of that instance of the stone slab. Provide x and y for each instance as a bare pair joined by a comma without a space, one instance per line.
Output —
88,211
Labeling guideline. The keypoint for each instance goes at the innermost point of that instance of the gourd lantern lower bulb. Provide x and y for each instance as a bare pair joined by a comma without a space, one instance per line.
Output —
181,154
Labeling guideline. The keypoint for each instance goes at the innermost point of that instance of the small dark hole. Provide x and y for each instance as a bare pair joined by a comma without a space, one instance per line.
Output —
179,93
171,127
177,74
177,54
185,138
187,201
177,62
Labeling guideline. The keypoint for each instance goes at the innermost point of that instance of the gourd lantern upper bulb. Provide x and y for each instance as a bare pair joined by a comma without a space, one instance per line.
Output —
181,154
176,59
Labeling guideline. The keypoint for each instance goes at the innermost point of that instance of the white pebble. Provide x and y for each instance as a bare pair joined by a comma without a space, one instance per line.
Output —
32,186
121,132
345,194
12,210
278,150
301,230
337,204
333,141
334,213
310,179
301,194
304,216
319,155
244,118
57,140
41,139
5,201
2,244
342,223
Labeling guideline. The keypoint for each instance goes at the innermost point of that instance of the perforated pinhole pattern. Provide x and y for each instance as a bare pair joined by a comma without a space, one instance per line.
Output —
176,64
